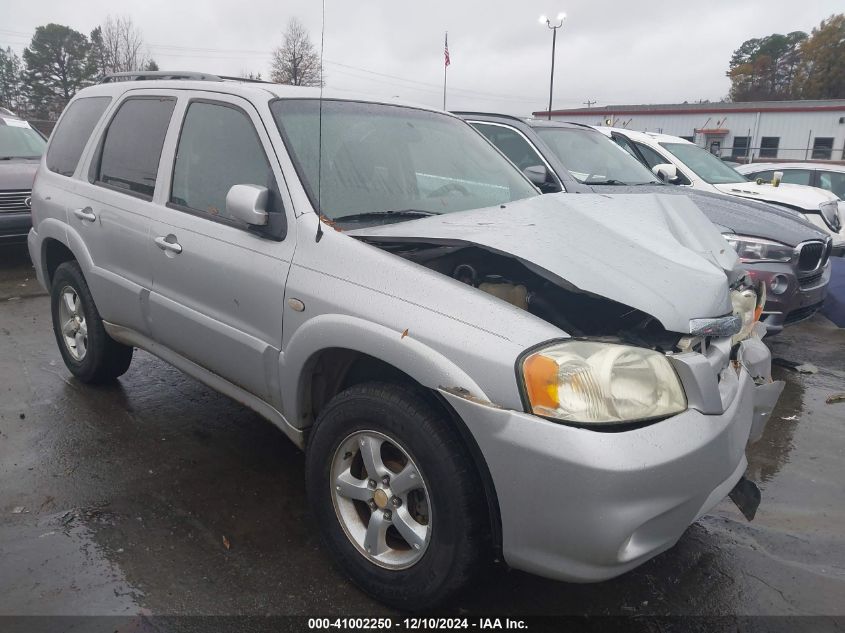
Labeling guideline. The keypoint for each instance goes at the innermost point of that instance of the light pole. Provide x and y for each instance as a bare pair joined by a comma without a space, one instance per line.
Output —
554,27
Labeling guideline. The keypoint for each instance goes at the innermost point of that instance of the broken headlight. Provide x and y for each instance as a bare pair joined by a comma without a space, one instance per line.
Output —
755,249
589,382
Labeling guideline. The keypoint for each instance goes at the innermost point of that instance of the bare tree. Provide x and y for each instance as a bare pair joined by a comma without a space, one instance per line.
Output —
296,62
118,46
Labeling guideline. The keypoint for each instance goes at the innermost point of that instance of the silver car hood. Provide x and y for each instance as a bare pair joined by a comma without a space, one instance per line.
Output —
656,253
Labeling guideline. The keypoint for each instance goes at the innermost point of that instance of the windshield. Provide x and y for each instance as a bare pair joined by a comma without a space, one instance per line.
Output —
706,166
378,159
18,140
592,158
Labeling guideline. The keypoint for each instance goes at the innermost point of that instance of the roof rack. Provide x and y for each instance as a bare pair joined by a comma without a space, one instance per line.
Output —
146,75
246,80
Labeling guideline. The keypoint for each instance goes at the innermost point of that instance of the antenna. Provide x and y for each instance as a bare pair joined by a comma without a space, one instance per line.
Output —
319,235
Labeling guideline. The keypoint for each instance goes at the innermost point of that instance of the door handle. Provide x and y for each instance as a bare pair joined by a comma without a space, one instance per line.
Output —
163,244
86,214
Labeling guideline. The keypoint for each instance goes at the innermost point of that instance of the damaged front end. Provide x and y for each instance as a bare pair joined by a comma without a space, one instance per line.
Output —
619,367
658,321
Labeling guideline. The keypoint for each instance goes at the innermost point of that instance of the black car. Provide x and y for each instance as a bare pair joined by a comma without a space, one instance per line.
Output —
21,147
777,245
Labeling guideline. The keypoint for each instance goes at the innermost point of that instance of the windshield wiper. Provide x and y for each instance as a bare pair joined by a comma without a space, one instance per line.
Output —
609,181
19,157
399,213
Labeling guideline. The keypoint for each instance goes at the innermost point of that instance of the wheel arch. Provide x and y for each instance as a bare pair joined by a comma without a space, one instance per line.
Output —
59,244
337,352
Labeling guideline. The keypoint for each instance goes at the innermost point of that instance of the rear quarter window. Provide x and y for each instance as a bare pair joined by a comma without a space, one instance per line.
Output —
72,133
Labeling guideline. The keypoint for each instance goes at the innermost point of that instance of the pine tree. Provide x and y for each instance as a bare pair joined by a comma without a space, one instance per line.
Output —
58,64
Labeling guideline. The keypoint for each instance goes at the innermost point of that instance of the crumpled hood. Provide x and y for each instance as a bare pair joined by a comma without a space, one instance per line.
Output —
656,253
796,196
737,215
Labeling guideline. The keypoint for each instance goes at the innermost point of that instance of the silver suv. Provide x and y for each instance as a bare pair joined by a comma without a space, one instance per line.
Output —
473,370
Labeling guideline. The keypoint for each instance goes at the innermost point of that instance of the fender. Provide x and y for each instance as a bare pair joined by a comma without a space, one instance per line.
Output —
422,363
56,229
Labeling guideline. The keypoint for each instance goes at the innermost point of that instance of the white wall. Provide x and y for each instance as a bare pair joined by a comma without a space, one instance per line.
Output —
793,128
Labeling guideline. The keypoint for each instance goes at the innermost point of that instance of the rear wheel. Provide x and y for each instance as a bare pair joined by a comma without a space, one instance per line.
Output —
396,496
89,353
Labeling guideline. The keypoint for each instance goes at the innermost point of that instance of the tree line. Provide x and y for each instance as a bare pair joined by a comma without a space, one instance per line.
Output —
792,66
59,61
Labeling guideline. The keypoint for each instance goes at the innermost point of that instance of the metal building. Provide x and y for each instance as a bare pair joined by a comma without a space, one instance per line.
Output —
779,130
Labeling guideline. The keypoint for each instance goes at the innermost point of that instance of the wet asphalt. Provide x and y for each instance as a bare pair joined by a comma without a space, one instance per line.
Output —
157,495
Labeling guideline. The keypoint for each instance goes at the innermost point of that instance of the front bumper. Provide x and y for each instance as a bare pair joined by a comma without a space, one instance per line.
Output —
803,297
584,506
15,226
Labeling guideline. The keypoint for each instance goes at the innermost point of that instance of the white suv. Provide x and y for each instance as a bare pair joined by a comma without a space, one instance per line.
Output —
689,165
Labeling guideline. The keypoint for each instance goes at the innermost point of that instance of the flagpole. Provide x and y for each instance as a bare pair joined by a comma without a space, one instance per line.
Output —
445,67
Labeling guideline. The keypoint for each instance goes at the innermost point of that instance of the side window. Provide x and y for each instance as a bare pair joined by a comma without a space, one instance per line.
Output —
765,175
131,148
218,148
512,144
651,157
833,181
625,144
70,137
797,176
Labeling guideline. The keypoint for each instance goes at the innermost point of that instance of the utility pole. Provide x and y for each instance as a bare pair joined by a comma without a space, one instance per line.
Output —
589,103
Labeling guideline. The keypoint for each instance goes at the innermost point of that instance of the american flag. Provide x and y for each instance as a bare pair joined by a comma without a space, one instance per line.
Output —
446,50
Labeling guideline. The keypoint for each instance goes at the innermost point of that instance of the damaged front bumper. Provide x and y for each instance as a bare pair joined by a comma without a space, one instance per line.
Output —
583,505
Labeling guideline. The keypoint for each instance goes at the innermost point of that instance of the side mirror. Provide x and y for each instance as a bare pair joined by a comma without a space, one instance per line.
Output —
537,174
248,203
541,177
776,178
667,172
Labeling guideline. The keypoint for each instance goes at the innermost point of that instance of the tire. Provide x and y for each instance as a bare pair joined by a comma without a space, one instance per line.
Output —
448,507
93,356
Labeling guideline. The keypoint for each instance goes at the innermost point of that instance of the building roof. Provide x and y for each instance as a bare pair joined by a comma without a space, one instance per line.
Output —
818,105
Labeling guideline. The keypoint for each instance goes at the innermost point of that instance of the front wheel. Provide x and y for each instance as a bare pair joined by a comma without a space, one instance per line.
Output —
396,496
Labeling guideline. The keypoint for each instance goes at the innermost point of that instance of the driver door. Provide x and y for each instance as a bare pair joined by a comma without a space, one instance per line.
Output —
218,284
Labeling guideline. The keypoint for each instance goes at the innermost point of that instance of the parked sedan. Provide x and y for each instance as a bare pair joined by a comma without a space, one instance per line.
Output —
20,150
683,163
777,246
822,175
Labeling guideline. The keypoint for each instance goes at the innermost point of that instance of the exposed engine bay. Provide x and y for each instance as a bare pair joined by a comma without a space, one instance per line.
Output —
577,312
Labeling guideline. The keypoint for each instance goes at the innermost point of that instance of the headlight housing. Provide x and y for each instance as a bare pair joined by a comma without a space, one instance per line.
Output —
756,249
831,215
592,383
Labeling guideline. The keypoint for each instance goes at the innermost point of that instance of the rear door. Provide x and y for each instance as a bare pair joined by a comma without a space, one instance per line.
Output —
218,285
111,207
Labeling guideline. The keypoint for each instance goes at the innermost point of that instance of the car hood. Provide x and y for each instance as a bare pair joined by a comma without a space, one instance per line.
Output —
656,253
796,196
736,215
17,174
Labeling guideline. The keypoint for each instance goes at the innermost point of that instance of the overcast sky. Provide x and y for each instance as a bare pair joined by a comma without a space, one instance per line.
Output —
613,52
